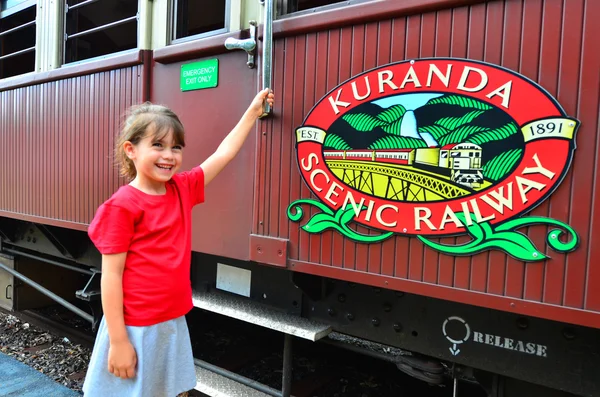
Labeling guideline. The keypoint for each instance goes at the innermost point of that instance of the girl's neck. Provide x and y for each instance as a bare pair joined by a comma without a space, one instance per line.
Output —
149,187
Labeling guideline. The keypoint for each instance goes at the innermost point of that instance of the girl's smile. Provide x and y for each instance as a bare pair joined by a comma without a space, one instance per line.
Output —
156,160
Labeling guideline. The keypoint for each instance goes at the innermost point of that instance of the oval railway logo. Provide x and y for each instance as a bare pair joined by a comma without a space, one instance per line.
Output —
435,147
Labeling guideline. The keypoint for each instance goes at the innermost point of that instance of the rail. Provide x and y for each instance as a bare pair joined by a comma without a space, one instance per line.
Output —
267,51
103,27
79,5
39,258
49,294
14,54
16,28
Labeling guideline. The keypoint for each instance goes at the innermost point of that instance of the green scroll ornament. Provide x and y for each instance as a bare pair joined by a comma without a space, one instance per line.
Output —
504,237
327,219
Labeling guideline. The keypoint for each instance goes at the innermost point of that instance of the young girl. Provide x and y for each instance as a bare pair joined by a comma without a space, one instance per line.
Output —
143,232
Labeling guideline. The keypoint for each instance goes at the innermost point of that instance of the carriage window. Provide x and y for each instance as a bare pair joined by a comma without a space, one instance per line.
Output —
99,27
292,6
199,17
17,37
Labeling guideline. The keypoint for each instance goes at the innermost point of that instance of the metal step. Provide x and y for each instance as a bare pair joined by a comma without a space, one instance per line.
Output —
215,385
255,313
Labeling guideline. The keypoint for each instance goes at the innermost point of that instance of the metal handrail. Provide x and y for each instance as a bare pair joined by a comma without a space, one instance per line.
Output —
267,51
99,28
48,293
17,28
14,54
50,261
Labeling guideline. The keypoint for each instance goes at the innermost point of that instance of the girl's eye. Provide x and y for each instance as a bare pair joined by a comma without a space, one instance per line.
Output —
177,147
157,144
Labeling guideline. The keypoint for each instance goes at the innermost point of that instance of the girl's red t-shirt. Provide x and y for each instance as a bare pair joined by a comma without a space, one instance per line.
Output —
156,233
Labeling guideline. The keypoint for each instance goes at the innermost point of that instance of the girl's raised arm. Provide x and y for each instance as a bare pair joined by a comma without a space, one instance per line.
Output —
231,145
122,358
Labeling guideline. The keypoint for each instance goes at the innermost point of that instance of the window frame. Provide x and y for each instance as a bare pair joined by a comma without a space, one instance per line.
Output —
22,6
172,25
19,7
138,18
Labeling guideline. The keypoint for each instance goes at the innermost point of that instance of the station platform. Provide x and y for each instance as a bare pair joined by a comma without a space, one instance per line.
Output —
18,379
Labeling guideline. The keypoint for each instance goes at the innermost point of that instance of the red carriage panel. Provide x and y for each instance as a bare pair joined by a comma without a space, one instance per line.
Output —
56,138
307,66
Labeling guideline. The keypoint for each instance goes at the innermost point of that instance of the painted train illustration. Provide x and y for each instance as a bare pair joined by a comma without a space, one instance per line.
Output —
461,163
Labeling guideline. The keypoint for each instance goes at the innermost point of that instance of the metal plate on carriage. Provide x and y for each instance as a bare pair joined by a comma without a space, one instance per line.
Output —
255,313
216,385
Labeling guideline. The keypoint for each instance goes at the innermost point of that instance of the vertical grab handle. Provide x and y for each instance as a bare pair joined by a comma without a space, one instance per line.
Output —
267,50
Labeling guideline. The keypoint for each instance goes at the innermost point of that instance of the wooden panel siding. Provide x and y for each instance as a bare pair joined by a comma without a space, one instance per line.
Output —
56,145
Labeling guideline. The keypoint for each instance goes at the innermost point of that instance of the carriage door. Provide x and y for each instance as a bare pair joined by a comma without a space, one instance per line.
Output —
210,86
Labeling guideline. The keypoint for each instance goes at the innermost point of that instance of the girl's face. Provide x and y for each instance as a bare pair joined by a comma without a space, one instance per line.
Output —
156,159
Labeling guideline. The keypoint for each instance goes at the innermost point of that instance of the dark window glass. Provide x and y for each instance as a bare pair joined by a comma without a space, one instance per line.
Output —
289,6
198,16
100,28
17,43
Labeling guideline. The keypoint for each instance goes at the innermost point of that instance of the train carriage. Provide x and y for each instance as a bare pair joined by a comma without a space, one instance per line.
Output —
477,284
399,156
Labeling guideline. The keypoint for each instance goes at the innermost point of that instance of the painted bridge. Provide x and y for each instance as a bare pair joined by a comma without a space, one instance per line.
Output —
395,182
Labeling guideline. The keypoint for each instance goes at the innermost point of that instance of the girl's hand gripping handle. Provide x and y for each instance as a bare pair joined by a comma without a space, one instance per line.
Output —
256,107
231,145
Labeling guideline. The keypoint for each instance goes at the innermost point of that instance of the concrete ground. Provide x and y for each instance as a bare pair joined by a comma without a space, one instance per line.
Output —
18,379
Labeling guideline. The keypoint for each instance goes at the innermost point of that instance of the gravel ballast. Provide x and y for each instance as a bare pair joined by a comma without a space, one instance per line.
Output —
51,354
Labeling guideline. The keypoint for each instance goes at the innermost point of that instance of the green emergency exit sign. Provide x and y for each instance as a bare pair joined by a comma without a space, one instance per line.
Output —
199,75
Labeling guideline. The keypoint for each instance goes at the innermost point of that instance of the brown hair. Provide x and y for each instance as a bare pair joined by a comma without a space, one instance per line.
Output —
139,119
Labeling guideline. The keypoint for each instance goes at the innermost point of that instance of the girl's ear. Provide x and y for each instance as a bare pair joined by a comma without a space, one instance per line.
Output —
129,149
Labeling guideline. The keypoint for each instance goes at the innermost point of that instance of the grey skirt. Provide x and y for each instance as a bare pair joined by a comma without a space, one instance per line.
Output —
165,364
